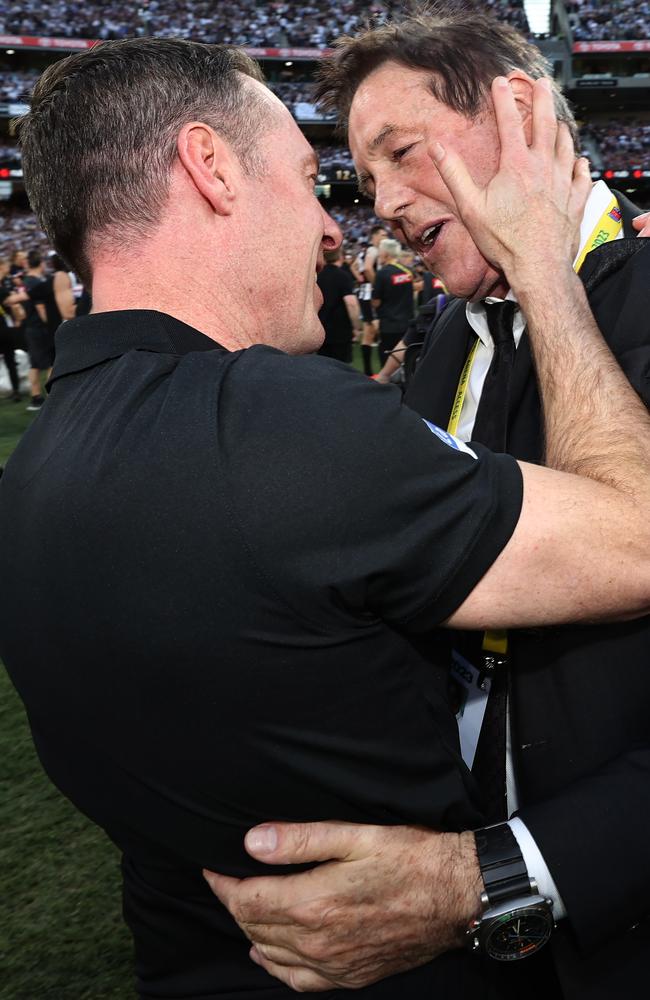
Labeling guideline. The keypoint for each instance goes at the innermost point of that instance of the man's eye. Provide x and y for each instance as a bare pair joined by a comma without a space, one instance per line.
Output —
402,151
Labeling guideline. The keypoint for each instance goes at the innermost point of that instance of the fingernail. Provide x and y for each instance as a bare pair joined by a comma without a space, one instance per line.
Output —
546,84
639,216
438,151
501,81
254,955
261,840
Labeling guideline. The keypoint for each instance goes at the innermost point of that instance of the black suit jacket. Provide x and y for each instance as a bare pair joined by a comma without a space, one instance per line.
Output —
580,701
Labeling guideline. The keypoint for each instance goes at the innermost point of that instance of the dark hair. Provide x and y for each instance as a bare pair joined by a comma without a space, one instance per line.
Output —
57,262
331,256
378,229
100,138
463,48
34,259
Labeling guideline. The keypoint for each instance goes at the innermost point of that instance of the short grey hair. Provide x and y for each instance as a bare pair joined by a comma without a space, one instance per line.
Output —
390,247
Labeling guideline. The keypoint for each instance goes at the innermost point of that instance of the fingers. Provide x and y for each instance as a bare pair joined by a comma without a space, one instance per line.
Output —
580,187
565,150
301,980
508,119
545,124
456,176
256,900
277,955
297,843
642,224
225,888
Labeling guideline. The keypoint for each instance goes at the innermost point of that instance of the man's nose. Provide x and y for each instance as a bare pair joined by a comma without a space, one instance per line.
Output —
332,235
391,199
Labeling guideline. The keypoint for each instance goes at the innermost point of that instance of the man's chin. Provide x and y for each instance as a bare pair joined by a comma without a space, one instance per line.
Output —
308,340
491,283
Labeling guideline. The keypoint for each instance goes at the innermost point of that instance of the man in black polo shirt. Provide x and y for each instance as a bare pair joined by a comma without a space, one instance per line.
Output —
228,635
392,296
340,309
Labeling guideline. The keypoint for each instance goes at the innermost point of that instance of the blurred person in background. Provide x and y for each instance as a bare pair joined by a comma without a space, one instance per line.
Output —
38,335
392,296
10,298
18,262
367,264
339,313
55,294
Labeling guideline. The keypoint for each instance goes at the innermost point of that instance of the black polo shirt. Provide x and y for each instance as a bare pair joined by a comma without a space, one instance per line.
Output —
394,288
233,580
335,283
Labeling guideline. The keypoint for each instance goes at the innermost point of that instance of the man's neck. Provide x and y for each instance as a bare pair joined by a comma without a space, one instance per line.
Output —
184,293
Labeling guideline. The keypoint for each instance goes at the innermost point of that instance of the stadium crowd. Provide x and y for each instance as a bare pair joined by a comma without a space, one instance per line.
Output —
608,20
289,23
622,144
16,85
20,230
9,151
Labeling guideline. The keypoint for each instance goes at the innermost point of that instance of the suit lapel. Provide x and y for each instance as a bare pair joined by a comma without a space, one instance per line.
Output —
433,388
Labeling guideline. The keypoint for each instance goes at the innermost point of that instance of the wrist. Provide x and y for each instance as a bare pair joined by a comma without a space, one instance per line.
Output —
465,886
535,295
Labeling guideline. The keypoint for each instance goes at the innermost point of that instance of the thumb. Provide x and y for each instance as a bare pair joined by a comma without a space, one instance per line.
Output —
642,223
455,175
297,843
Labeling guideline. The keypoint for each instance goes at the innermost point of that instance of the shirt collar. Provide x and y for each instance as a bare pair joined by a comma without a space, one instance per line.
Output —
90,340
598,200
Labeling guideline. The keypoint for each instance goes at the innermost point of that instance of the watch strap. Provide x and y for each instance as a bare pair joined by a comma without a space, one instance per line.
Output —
503,868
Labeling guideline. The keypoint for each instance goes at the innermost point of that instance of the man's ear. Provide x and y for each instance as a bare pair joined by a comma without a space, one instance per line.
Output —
210,163
522,88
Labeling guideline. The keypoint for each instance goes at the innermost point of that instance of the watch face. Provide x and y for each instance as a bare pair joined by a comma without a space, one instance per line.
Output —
518,934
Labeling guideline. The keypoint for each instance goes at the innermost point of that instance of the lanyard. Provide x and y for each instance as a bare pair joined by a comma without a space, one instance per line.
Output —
606,229
495,643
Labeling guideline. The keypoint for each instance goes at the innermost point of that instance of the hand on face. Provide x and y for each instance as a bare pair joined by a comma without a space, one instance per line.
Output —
386,900
527,217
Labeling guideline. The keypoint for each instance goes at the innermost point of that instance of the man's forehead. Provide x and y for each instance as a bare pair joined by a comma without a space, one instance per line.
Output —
386,103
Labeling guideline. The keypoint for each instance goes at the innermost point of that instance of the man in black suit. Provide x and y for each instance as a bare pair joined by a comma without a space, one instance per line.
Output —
579,697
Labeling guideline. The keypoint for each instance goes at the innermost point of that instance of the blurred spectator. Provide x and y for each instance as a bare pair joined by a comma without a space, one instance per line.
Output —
39,339
9,297
392,297
17,85
623,145
300,24
9,152
20,230
339,313
55,293
603,20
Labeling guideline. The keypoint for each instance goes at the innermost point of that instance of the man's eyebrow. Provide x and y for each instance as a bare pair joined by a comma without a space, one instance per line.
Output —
385,133
362,183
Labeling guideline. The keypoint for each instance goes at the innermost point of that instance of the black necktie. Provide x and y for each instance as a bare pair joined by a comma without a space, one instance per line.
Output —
490,429
492,415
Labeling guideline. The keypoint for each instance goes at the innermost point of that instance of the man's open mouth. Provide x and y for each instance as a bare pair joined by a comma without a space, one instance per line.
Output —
429,236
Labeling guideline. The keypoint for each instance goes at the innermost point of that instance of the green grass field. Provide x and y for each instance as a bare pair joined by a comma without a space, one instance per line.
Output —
61,930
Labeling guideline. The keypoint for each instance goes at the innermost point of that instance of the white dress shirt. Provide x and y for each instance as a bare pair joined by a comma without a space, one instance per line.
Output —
597,202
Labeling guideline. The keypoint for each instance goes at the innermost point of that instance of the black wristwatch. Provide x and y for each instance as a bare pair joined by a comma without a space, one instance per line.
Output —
516,921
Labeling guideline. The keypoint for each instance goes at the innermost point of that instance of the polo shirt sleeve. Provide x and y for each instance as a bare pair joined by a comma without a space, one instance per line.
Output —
350,503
